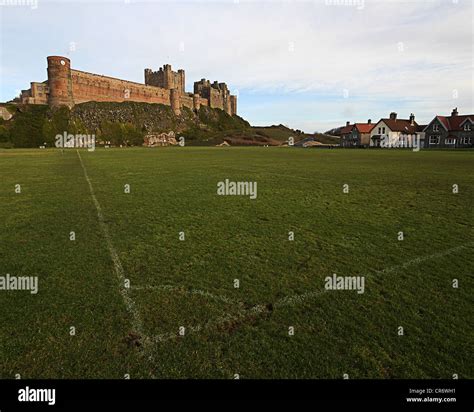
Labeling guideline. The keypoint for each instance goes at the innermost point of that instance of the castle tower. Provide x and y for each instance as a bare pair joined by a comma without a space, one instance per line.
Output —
174,100
196,102
59,81
148,76
227,105
168,77
233,104
181,81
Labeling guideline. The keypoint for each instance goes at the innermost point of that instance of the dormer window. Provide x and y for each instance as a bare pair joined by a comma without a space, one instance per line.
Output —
436,127
467,127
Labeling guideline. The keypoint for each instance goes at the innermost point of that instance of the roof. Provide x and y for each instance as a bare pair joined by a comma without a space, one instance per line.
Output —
364,127
454,123
401,125
347,129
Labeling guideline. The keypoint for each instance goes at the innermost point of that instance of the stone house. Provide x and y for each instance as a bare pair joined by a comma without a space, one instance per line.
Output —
346,135
361,133
450,131
357,134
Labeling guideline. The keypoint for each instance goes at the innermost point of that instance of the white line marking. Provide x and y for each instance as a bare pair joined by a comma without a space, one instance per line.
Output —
137,323
424,258
292,300
204,293
212,325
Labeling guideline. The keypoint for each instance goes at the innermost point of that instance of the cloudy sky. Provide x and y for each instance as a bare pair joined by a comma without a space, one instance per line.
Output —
309,64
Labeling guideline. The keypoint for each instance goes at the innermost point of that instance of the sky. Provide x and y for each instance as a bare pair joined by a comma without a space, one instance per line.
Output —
311,65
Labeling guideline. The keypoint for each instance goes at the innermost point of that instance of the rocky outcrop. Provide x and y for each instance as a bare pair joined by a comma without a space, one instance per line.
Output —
145,116
5,114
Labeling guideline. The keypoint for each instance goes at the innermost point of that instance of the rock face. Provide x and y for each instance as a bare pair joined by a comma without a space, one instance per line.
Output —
125,123
147,117
160,139
5,114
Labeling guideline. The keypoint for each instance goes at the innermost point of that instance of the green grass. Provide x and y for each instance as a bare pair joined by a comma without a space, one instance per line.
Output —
190,283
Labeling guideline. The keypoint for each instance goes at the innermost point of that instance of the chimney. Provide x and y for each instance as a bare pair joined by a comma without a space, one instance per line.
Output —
393,116
412,119
454,112
369,121
348,124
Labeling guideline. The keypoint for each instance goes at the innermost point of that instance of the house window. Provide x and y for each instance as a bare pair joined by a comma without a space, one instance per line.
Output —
383,130
467,140
380,130
450,140
436,128
434,139
467,127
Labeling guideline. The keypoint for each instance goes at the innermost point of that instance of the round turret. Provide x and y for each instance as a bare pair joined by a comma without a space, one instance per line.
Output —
59,81
174,100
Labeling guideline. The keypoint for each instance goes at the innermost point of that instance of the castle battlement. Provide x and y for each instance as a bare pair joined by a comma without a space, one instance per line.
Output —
67,86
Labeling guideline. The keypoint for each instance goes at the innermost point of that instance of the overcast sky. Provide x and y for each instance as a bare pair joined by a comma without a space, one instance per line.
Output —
309,64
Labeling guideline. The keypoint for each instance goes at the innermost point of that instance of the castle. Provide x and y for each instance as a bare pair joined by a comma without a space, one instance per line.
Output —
66,87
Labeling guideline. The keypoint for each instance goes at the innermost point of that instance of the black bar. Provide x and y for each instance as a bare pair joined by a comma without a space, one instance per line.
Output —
87,393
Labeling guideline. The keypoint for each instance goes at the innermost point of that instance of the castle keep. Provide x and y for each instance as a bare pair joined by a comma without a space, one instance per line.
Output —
67,86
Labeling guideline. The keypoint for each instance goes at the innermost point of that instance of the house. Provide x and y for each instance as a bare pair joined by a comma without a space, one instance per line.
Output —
361,133
357,134
395,132
450,131
346,135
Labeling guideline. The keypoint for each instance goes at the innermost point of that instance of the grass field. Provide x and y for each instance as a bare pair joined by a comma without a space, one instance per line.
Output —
190,283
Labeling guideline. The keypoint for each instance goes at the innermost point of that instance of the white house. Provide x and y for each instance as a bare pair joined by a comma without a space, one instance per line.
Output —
394,132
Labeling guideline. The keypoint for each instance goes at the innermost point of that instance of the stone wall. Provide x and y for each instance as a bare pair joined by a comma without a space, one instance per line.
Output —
37,94
187,101
217,94
66,87
94,87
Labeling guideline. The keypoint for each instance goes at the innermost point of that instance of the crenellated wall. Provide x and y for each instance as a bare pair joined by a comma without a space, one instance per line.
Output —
88,86
67,86
166,78
217,94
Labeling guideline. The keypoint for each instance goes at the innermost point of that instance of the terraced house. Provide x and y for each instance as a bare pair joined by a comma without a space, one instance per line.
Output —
346,135
450,131
357,134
